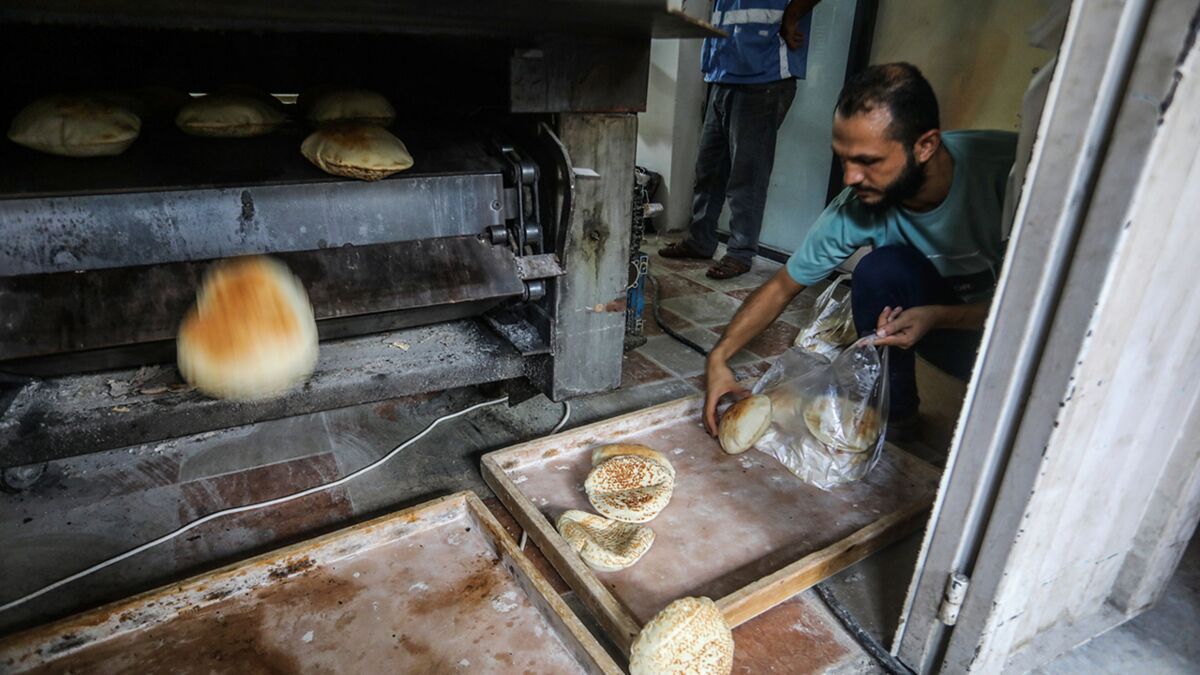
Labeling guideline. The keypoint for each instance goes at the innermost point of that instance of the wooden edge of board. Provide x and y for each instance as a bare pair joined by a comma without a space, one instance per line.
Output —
754,599
583,645
616,621
94,621
520,454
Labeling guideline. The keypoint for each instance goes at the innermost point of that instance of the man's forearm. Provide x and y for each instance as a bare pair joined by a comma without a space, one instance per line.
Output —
963,317
761,308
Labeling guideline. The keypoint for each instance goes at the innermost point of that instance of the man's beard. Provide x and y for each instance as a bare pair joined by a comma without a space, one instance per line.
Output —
906,186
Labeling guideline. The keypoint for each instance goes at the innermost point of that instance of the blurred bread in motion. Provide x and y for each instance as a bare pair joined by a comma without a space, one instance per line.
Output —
251,334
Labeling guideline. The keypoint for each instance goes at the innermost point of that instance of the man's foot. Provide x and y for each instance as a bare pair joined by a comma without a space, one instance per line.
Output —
903,429
728,268
682,249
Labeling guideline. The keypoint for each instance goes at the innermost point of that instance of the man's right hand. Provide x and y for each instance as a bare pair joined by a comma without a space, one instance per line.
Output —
719,381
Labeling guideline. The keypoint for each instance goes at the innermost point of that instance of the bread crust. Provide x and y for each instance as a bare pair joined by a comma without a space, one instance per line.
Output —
630,488
251,334
744,423
688,637
360,151
604,544
75,126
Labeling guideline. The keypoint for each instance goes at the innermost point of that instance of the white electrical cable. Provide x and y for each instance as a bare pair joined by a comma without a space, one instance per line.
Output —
251,507
563,422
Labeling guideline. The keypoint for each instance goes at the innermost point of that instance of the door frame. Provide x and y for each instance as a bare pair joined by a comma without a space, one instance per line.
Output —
1116,66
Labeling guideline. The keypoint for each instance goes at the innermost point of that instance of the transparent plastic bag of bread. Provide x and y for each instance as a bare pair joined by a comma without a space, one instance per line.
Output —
828,415
829,325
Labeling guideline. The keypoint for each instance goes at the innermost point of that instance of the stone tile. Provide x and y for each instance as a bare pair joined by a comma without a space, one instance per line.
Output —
665,351
670,318
759,273
707,338
672,285
709,309
637,369
797,636
740,294
773,341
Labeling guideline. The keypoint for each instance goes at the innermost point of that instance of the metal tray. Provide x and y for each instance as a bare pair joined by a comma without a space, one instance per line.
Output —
741,529
436,588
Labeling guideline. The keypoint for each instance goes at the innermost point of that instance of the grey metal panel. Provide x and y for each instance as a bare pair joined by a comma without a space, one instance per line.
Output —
572,74
63,312
74,415
61,234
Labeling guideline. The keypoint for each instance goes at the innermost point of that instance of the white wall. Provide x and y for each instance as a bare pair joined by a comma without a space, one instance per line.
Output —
669,130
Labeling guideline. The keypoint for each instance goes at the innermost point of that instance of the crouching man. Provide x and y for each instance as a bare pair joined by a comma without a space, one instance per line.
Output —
930,204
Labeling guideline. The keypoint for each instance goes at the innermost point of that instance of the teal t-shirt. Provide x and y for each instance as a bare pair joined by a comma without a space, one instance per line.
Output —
962,236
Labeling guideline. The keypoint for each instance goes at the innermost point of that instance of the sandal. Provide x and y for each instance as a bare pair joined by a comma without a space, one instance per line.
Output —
727,268
682,249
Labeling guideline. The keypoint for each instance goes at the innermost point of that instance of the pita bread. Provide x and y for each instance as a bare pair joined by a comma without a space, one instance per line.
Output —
251,334
688,637
360,151
228,116
75,126
606,452
604,544
630,488
349,105
744,423
834,422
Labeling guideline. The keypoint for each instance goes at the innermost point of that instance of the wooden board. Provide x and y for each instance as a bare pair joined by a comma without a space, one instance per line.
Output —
739,529
436,588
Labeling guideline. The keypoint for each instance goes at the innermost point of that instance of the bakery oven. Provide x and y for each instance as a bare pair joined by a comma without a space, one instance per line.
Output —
499,256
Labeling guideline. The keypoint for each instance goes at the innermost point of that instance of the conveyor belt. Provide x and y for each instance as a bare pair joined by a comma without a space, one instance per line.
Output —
173,197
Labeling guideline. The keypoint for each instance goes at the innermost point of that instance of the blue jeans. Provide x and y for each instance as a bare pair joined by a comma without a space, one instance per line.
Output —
737,153
900,276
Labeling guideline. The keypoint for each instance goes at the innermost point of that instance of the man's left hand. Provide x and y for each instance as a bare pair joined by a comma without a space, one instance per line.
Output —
904,328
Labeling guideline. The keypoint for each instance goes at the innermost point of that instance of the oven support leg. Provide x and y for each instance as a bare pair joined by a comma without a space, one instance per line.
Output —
589,301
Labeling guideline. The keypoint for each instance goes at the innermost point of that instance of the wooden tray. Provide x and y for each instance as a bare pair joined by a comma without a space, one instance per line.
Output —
436,588
741,529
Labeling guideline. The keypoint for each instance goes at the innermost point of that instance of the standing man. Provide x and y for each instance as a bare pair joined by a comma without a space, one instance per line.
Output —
752,83
930,204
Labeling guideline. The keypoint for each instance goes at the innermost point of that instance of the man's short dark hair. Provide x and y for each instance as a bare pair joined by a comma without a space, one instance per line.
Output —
899,87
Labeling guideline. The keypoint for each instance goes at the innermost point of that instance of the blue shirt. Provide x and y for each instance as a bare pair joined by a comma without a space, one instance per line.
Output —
961,236
754,52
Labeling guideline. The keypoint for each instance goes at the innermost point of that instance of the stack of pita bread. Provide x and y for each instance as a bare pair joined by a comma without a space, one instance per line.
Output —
629,484
350,139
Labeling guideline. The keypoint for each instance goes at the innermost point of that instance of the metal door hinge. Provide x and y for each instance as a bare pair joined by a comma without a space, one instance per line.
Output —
952,600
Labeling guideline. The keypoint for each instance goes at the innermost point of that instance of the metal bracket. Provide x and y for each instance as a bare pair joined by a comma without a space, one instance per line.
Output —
522,174
952,600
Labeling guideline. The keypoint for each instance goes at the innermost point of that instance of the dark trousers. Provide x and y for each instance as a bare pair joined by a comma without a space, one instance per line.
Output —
900,276
737,152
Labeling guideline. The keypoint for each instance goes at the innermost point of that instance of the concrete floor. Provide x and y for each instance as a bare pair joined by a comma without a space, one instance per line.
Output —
94,506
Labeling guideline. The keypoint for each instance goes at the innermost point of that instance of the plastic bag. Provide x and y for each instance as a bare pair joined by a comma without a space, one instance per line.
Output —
828,416
830,325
